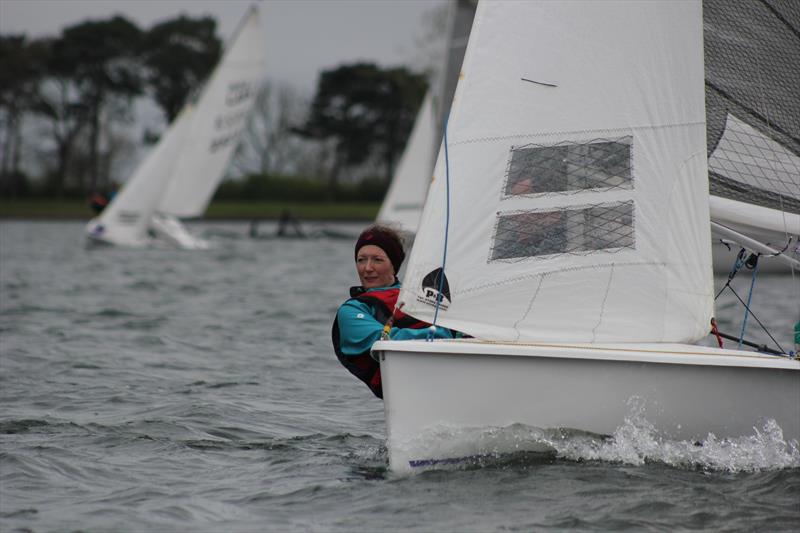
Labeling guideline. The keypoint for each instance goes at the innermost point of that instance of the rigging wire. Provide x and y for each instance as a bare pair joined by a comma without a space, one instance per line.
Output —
757,320
749,300
741,260
769,124
432,329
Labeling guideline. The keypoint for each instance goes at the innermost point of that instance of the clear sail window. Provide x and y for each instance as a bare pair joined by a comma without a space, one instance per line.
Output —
598,164
606,227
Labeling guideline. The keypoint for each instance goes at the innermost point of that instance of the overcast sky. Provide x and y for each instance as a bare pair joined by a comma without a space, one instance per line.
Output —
302,36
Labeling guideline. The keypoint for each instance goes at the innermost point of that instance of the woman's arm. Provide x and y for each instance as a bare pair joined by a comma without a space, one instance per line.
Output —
358,328
405,334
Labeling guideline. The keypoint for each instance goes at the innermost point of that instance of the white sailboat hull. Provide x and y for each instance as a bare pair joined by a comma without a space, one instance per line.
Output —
161,229
687,392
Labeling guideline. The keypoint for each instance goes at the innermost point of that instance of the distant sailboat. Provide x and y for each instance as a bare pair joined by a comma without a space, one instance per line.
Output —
567,232
405,198
180,174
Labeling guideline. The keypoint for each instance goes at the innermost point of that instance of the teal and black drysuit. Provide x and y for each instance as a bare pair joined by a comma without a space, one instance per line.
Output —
359,323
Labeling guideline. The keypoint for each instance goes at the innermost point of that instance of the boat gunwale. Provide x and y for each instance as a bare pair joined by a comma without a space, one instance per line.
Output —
667,353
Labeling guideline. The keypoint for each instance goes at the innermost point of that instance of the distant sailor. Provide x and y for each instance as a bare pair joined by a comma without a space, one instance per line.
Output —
360,320
97,202
288,226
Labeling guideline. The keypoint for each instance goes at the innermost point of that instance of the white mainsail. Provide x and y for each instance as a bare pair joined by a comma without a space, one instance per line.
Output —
577,191
181,173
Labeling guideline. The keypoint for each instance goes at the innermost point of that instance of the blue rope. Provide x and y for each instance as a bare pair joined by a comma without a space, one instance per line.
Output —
432,329
738,263
747,306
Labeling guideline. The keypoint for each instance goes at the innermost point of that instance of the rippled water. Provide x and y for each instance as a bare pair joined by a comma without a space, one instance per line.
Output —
172,391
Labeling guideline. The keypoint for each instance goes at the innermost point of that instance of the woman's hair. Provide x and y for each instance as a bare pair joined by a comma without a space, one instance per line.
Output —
385,238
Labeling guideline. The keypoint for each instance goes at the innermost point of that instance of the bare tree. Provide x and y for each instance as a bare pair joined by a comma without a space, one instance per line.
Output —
65,119
431,41
100,58
21,67
268,145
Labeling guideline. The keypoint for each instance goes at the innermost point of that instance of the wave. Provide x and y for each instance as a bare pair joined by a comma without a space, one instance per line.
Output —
635,442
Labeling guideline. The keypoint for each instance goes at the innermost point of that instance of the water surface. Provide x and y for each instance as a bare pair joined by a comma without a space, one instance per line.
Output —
172,390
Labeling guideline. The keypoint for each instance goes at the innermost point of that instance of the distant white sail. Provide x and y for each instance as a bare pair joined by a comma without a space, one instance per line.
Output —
406,195
222,112
405,198
126,219
180,174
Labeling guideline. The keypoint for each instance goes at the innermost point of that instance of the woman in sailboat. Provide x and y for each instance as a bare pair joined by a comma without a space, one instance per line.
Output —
370,312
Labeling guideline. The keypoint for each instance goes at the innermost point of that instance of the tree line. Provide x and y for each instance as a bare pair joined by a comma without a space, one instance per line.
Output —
67,101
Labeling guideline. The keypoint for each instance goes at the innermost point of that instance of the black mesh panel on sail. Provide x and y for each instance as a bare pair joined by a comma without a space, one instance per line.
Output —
601,164
579,230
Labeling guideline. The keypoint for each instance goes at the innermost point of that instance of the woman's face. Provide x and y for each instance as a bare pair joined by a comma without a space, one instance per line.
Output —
374,268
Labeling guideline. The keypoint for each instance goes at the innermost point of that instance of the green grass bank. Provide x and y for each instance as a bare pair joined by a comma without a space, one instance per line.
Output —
218,210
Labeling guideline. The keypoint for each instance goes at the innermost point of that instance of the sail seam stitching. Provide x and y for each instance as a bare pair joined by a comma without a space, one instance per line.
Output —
530,305
574,132
603,303
551,272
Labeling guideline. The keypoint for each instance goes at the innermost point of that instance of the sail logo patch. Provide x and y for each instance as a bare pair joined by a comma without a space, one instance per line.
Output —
435,290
